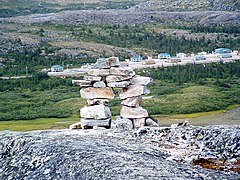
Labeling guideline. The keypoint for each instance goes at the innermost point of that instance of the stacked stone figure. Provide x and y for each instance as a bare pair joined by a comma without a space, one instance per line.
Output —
97,88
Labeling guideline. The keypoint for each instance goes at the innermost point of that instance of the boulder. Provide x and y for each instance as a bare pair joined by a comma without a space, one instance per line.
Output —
113,61
122,124
150,122
76,125
91,102
95,122
95,112
121,71
99,84
141,80
97,93
92,78
133,113
82,83
132,91
139,122
113,78
132,101
118,84
102,63
99,72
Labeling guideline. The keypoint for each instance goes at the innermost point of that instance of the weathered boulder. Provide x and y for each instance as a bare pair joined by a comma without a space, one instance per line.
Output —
95,122
92,78
97,93
139,122
132,101
102,63
118,84
133,113
122,124
91,102
132,91
99,72
150,122
99,84
76,125
121,71
113,61
95,112
141,80
113,78
82,83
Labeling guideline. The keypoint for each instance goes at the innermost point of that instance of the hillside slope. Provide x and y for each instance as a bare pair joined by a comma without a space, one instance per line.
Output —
189,5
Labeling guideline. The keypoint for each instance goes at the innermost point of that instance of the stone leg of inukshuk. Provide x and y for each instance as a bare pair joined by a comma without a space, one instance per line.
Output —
97,88
131,100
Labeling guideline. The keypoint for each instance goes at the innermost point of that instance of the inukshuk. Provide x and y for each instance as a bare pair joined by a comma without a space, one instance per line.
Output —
97,88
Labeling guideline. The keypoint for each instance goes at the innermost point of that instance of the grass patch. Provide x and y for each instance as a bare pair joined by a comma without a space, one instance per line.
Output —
39,124
196,115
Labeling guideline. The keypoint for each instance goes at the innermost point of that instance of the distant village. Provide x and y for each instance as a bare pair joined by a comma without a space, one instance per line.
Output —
163,59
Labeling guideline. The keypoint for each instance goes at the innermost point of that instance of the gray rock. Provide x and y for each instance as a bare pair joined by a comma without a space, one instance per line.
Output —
121,71
113,78
118,84
151,123
132,91
99,84
97,93
89,154
141,80
95,122
133,113
95,112
102,64
91,102
113,61
99,72
92,78
132,101
82,83
122,124
138,123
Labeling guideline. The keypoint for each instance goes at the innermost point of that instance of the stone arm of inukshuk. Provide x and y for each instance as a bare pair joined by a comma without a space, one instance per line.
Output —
97,88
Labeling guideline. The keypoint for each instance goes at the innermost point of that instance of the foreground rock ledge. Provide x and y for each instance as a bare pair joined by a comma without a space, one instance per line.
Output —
98,154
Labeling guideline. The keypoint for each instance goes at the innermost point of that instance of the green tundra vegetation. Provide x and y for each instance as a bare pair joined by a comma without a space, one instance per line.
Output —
176,90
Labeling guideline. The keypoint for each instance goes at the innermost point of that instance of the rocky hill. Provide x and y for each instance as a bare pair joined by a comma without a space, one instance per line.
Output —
130,17
147,153
189,5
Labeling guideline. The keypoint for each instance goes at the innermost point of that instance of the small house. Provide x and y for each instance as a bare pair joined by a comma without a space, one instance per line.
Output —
181,55
223,50
164,56
57,68
199,58
136,58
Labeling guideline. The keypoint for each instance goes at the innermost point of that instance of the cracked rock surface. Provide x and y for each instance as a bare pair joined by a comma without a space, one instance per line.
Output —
92,154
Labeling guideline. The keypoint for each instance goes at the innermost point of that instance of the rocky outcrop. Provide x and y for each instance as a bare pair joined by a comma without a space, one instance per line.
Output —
130,17
109,154
186,143
97,88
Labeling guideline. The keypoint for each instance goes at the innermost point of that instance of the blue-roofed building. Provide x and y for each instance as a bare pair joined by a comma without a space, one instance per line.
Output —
136,58
57,68
164,56
223,50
